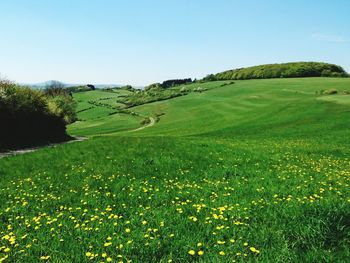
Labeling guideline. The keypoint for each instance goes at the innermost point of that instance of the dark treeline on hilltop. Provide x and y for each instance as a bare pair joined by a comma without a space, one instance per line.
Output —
169,83
80,88
174,82
29,117
286,70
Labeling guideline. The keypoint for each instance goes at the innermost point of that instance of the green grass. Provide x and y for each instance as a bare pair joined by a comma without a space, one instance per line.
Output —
341,99
96,119
104,125
87,102
257,165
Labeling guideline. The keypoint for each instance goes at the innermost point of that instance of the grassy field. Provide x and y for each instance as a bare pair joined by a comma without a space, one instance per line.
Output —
98,113
255,171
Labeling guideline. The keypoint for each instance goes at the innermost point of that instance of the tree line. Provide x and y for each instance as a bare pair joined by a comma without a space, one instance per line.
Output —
169,83
285,70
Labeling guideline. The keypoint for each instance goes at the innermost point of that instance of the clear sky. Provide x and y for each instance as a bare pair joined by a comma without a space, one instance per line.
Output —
140,42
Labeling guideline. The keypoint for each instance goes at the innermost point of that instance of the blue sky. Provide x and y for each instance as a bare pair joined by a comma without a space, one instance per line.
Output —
141,42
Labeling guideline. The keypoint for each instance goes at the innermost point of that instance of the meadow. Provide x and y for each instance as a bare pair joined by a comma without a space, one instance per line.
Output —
250,171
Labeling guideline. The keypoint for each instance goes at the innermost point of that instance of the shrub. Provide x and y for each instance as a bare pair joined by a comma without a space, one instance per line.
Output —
28,116
199,89
63,107
330,92
184,90
145,121
154,86
60,102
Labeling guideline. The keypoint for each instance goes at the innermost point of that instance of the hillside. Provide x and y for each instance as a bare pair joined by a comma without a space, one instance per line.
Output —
285,70
245,171
235,108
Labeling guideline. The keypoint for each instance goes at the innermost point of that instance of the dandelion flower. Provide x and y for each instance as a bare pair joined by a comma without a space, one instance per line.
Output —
254,250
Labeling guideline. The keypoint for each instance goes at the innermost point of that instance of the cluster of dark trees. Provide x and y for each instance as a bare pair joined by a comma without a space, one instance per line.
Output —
81,88
285,70
29,117
168,84
175,82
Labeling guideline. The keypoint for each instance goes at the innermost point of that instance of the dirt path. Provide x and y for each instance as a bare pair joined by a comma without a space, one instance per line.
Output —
299,91
150,124
33,149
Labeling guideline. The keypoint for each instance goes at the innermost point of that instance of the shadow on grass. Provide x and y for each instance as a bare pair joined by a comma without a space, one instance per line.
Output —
15,146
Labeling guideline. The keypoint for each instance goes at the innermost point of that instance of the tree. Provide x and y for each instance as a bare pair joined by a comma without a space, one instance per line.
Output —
55,88
55,84
92,87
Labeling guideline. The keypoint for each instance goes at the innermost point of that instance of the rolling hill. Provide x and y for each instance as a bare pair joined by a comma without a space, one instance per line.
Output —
250,170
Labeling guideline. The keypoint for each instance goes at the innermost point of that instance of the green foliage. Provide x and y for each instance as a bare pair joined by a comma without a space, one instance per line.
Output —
61,103
29,116
127,87
81,88
175,82
210,77
63,107
151,94
286,70
156,86
330,92
155,92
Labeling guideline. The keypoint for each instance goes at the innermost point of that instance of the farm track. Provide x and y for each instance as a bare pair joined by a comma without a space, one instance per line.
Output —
33,149
152,122
78,139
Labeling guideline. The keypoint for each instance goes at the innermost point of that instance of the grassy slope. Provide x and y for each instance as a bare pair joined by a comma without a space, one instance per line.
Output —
95,119
253,107
262,162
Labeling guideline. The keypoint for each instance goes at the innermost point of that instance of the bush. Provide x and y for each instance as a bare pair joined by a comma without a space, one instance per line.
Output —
199,89
30,116
154,86
63,107
60,102
330,92
145,122
184,90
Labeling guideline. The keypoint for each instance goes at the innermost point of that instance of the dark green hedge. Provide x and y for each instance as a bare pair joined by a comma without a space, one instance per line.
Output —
29,117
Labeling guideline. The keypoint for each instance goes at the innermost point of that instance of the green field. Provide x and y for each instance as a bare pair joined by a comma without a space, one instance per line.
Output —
255,171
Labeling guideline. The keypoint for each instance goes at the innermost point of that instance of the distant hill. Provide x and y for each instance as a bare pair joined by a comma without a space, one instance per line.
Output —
285,70
43,85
